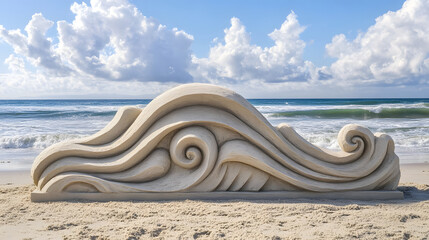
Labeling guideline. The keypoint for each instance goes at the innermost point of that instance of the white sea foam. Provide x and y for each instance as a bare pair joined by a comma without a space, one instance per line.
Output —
34,141
373,108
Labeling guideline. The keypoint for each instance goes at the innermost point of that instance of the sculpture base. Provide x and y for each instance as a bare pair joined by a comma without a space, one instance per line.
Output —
37,196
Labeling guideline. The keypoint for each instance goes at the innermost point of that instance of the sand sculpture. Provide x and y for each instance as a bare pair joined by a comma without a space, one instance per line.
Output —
200,141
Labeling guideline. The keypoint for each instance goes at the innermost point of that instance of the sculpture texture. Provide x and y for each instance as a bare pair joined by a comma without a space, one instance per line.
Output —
200,138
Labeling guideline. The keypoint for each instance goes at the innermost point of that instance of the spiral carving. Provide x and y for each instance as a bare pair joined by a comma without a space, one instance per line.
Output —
190,145
354,138
202,138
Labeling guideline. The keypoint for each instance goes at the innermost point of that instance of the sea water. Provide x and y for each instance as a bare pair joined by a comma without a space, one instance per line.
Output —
29,126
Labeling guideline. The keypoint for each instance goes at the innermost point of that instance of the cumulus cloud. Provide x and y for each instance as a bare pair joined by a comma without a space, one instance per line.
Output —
113,40
108,39
395,50
35,45
238,60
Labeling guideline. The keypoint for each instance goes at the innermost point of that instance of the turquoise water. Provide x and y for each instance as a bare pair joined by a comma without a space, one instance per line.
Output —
29,126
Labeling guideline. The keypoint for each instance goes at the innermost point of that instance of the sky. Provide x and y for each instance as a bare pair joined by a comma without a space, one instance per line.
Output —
261,49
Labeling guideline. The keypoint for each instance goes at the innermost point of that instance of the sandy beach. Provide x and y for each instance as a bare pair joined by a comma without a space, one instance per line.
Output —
283,219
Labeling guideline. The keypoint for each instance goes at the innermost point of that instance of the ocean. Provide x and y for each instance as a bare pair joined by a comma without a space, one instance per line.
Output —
29,126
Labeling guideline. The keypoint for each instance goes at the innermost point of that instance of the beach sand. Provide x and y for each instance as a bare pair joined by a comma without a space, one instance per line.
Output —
284,219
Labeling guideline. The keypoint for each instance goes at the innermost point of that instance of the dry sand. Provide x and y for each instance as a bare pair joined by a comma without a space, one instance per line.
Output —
286,219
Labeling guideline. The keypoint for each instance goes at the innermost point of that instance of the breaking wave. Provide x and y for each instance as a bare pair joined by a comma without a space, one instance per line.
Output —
34,141
358,113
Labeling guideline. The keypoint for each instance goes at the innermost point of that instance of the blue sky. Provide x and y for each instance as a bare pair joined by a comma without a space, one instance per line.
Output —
316,49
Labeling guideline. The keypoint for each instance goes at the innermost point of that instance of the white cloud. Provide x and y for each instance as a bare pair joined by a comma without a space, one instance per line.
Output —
395,50
238,60
15,64
108,40
35,46
113,40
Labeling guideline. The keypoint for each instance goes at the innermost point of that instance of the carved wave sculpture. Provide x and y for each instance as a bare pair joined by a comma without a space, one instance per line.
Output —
208,142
